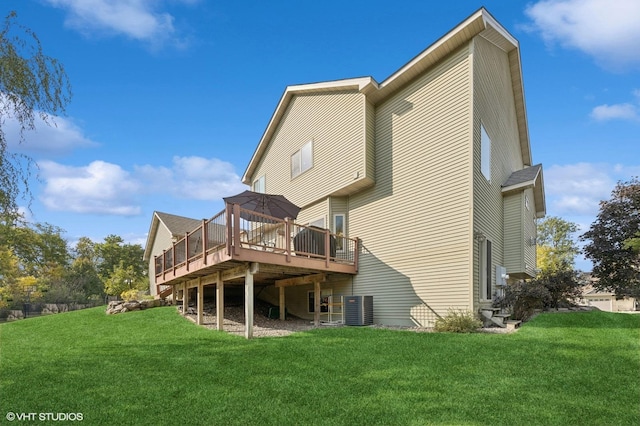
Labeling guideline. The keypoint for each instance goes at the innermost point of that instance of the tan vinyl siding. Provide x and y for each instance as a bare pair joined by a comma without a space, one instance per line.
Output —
520,233
339,205
513,234
414,223
370,135
493,108
335,122
162,241
530,234
315,212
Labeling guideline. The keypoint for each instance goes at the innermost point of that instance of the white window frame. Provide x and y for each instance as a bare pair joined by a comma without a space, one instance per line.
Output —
319,222
259,185
302,160
485,153
486,269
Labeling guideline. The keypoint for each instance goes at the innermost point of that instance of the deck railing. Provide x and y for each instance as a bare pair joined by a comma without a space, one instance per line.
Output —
235,227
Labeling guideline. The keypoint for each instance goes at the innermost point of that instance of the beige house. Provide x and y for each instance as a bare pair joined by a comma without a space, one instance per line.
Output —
165,230
425,180
607,300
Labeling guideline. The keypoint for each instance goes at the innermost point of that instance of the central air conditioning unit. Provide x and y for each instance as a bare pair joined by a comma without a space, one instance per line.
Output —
358,310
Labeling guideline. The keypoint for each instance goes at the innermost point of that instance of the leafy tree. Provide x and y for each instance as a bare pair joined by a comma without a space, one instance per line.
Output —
124,279
612,241
31,84
9,274
633,243
556,249
121,266
37,247
83,273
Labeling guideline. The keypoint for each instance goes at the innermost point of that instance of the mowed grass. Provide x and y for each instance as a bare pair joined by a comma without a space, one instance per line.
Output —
154,367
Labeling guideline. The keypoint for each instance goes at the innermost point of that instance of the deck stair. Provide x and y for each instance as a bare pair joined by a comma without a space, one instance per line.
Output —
166,292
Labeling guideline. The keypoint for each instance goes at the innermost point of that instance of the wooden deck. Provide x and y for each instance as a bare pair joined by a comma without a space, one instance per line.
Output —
235,238
239,246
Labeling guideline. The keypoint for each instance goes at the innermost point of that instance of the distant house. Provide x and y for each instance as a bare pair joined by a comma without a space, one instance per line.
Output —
429,173
607,301
165,230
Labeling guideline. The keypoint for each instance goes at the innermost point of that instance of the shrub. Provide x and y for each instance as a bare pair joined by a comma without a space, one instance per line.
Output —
563,287
458,321
523,298
130,294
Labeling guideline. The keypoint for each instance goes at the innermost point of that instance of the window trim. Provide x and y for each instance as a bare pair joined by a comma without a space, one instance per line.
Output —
318,219
339,241
262,181
486,270
298,160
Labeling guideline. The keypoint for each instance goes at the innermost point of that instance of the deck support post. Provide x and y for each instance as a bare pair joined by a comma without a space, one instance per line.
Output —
173,295
219,302
316,303
185,298
252,268
282,305
200,301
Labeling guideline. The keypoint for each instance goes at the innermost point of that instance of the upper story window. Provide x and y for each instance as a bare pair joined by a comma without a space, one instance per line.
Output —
258,185
485,153
302,160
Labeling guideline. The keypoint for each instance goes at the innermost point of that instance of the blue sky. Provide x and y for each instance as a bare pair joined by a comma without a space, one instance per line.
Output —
170,97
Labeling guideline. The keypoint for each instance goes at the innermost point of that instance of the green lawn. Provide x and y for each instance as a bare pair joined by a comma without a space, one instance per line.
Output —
153,367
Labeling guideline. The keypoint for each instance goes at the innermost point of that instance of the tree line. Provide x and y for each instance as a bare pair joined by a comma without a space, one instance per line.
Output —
38,266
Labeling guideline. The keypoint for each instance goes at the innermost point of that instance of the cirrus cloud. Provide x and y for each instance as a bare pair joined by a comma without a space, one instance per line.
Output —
140,20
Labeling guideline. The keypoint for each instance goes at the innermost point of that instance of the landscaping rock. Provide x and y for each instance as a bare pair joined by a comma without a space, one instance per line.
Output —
15,315
121,306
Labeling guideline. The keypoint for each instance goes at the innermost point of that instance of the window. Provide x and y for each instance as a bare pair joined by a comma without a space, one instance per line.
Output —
485,270
318,223
485,153
338,229
302,160
325,296
258,185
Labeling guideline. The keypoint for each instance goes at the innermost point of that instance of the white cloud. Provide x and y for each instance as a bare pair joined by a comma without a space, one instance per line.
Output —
137,19
193,177
624,111
604,29
106,188
577,189
100,187
59,136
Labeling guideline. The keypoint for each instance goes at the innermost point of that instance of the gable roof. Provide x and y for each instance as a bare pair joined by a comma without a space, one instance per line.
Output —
176,225
529,177
480,22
